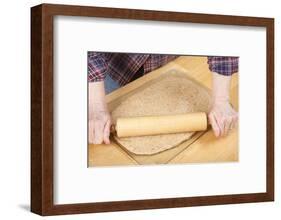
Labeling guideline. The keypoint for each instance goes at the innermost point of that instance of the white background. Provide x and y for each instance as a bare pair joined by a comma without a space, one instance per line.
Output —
74,183
15,92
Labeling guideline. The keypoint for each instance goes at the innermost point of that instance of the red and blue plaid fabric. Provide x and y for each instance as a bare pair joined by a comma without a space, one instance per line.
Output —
223,65
122,67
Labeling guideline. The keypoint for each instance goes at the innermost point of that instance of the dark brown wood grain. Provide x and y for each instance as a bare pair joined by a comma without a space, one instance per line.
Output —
42,109
270,109
36,108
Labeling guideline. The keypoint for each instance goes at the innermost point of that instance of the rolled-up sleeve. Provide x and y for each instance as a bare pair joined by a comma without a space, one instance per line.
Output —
223,65
97,67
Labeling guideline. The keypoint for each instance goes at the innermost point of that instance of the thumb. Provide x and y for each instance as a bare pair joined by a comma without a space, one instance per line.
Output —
106,132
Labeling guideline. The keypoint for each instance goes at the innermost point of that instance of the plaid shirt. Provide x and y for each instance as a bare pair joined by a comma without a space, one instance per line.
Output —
122,67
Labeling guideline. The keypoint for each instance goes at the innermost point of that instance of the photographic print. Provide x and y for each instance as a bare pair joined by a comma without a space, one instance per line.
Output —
161,109
159,100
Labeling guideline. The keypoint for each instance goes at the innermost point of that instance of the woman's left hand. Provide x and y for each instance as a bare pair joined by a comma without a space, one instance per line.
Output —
222,117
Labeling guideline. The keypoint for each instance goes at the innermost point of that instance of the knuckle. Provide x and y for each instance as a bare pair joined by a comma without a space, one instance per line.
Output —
223,119
98,140
99,122
228,120
97,117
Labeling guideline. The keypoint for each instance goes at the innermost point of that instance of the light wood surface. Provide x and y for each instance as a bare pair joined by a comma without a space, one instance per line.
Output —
202,147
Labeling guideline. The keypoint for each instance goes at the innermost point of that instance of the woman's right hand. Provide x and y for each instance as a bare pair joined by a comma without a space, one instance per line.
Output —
99,117
99,127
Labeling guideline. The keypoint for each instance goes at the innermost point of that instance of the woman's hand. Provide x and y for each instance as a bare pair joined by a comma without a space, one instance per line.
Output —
99,117
99,127
221,116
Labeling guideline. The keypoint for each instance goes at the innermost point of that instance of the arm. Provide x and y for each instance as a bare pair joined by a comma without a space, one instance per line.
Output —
221,115
99,118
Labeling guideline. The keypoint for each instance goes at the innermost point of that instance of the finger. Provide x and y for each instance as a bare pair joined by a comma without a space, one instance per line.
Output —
98,133
106,132
220,123
91,132
231,125
227,124
214,124
233,122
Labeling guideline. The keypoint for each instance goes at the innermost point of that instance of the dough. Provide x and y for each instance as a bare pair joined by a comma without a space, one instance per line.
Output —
172,93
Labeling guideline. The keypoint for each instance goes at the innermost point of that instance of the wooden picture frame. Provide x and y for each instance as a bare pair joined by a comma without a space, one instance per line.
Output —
42,109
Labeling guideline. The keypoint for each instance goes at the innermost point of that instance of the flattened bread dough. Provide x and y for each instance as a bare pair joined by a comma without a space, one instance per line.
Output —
171,94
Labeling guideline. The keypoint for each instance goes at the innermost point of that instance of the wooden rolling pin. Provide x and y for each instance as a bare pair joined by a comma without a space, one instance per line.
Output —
155,125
